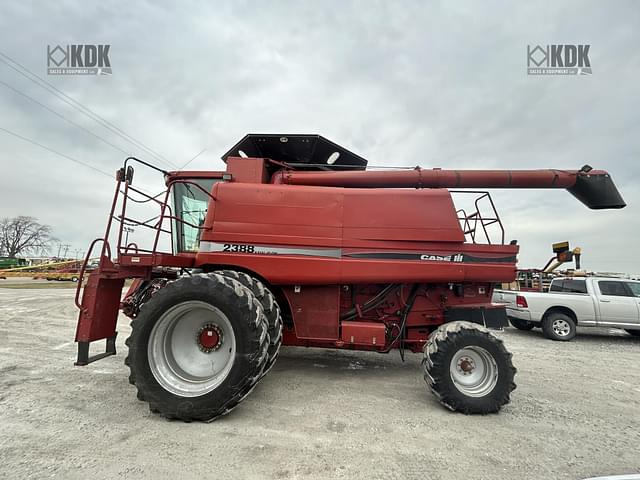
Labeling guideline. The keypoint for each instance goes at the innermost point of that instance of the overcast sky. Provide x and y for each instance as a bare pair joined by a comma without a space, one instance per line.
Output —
436,84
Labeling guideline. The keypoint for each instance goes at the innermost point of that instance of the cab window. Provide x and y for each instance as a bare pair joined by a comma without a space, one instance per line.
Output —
569,286
635,288
614,288
190,204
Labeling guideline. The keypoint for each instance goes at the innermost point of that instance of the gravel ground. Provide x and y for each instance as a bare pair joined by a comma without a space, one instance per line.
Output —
319,414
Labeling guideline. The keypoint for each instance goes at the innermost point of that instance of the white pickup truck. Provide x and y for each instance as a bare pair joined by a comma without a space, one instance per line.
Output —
571,301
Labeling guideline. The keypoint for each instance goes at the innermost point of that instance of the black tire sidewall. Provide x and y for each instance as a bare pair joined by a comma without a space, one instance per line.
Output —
458,400
269,306
521,324
547,326
247,347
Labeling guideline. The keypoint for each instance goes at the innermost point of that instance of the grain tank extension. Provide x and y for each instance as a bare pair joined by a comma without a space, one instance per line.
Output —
298,243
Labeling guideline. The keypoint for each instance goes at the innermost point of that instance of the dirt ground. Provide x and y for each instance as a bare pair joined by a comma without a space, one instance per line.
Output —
319,414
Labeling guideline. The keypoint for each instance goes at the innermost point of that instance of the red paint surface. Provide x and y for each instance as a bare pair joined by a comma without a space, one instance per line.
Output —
403,222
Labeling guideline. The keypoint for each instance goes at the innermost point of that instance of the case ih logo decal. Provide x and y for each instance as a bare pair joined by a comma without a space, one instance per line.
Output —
431,257
78,60
558,60
446,258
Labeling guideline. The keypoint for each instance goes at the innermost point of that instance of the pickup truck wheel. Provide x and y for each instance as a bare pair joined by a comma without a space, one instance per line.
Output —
635,333
468,369
521,324
558,326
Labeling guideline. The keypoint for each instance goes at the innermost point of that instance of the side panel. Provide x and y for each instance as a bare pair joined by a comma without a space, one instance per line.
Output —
399,214
315,269
100,305
320,235
491,316
275,215
244,171
363,333
315,311
330,217
617,306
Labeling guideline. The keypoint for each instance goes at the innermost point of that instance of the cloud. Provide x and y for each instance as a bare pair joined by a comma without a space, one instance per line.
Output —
400,83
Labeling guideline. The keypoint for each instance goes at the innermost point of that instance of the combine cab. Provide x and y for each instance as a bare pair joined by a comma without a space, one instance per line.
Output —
297,243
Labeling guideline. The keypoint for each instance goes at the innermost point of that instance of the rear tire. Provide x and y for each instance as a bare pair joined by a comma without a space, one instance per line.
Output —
521,324
468,369
198,347
559,326
270,308
635,333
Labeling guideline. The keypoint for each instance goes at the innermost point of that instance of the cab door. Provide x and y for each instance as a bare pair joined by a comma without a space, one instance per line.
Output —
617,303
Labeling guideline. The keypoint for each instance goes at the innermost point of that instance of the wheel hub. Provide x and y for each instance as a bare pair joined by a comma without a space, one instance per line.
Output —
561,328
474,371
209,338
466,365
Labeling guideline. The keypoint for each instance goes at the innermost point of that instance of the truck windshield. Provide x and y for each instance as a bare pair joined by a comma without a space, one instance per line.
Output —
190,204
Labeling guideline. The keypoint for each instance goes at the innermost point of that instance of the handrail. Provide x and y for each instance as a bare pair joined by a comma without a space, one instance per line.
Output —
470,221
132,244
166,212
141,224
151,197
86,261
124,190
106,248
125,176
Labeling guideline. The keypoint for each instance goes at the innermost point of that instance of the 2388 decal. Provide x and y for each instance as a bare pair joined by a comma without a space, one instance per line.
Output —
235,248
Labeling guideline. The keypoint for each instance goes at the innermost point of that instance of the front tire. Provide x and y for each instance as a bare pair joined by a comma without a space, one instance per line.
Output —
270,308
521,324
198,347
559,326
468,369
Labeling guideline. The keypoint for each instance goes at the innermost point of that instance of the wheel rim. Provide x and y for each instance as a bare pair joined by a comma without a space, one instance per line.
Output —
474,371
191,349
561,327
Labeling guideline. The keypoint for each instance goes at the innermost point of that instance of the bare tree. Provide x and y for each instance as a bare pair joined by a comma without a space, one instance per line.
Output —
21,235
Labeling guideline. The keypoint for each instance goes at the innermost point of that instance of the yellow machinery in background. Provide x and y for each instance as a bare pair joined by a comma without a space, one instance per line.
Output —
538,280
62,270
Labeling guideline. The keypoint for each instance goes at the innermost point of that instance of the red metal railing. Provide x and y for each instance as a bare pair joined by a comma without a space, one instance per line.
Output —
479,219
157,222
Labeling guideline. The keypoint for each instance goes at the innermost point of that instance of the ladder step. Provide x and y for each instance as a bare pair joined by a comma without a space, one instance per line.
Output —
83,351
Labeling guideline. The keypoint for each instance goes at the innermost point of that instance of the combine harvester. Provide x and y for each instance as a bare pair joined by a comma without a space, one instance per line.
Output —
296,243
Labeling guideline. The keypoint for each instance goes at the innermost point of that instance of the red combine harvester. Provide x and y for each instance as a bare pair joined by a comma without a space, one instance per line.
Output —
296,243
